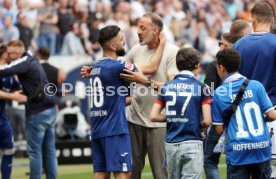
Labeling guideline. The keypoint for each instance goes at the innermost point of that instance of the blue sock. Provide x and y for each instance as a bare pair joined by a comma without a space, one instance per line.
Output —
6,166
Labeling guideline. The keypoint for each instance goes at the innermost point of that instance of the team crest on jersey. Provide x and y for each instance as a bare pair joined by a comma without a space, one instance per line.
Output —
129,66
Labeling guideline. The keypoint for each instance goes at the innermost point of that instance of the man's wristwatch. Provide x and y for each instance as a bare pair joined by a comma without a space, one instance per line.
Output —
148,83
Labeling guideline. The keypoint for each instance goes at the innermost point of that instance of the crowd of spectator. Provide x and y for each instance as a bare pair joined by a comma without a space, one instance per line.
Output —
69,27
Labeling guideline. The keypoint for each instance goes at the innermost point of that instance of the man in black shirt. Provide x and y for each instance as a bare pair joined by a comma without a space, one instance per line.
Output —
54,75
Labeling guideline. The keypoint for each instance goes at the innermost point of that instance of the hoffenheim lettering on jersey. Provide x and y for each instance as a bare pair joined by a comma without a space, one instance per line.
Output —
252,146
107,105
248,137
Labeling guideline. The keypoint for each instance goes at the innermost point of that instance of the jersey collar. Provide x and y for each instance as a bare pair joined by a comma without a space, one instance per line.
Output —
105,58
232,77
185,74
259,33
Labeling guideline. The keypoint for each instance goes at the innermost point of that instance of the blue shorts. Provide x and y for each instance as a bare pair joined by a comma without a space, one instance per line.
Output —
112,154
6,137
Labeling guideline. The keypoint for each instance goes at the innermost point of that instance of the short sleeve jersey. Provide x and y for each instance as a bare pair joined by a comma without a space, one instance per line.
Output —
183,98
108,98
248,137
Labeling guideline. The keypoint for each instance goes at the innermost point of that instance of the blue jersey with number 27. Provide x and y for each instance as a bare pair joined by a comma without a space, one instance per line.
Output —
248,137
183,98
108,98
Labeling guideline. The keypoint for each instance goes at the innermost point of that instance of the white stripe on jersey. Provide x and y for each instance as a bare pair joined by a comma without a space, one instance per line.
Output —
13,63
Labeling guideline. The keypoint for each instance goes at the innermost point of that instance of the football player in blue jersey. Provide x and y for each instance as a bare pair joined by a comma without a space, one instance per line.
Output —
258,49
6,137
248,149
188,110
111,147
258,58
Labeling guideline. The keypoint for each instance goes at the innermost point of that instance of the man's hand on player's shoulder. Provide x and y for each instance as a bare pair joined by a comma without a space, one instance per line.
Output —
85,71
137,77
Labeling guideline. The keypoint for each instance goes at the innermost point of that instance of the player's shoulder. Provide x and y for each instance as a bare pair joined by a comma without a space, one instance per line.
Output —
170,82
104,62
241,41
254,84
197,83
271,36
219,89
167,85
121,63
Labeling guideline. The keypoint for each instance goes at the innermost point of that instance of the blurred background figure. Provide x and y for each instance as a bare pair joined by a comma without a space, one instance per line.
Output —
72,42
10,31
65,18
47,19
26,33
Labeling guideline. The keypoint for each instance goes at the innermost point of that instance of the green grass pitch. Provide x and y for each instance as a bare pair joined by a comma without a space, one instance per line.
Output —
84,171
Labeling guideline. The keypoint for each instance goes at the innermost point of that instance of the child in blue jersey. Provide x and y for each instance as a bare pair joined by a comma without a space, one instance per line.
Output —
187,102
6,137
248,149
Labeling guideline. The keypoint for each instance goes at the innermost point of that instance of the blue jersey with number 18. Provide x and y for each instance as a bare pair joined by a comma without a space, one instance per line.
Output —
108,98
248,137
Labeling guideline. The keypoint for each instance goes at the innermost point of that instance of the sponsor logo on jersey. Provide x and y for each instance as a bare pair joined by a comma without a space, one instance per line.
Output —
129,66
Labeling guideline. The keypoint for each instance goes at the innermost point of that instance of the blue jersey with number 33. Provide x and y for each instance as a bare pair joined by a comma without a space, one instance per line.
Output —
108,98
248,137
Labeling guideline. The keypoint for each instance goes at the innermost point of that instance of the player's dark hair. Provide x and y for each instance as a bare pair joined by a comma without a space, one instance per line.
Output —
263,12
44,53
230,59
107,33
3,49
187,59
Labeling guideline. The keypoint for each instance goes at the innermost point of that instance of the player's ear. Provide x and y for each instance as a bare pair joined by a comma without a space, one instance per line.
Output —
156,30
112,46
224,69
219,68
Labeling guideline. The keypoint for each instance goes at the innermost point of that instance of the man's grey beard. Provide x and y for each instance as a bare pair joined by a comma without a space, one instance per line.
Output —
147,40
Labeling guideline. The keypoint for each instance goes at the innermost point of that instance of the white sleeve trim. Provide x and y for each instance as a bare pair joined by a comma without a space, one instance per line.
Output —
217,123
269,109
